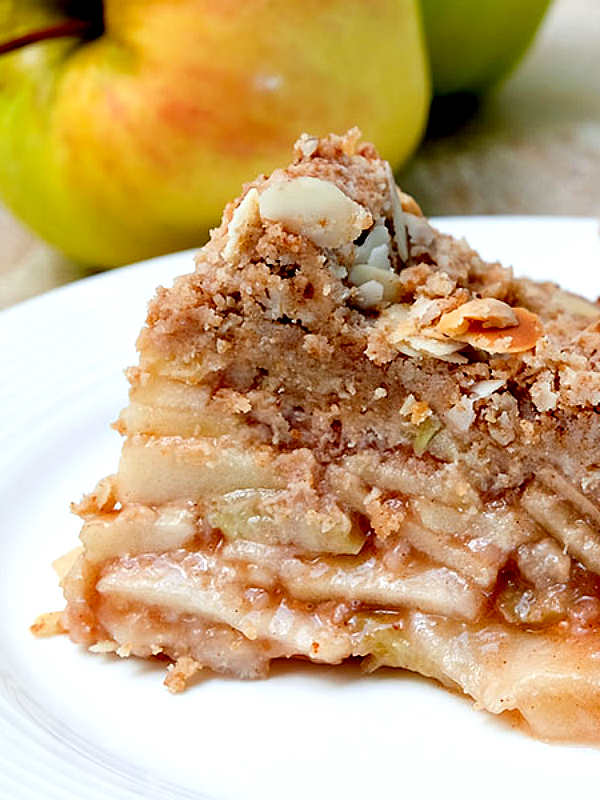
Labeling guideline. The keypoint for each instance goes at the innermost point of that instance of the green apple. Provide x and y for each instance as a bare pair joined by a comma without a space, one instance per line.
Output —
124,136
474,43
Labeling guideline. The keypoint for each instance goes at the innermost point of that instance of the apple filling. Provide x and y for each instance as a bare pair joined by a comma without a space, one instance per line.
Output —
308,564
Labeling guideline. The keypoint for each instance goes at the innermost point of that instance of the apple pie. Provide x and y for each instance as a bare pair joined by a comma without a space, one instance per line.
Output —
348,436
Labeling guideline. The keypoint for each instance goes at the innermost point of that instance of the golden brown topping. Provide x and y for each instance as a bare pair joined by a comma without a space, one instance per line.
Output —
491,313
493,326
524,336
316,209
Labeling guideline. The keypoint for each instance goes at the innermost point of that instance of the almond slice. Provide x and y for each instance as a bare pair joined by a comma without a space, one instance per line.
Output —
491,313
380,257
392,286
444,351
516,339
369,294
316,209
377,237
483,389
398,218
244,220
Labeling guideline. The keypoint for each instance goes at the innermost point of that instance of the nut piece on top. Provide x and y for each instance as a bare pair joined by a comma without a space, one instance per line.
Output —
380,254
316,209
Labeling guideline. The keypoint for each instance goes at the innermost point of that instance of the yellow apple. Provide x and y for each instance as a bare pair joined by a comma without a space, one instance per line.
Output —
124,139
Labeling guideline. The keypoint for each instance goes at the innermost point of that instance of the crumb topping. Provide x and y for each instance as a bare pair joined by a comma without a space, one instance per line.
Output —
325,270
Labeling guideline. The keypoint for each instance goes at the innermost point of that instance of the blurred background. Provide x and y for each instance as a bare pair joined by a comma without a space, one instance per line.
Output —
531,145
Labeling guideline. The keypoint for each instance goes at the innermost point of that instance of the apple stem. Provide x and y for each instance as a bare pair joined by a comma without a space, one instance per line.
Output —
73,27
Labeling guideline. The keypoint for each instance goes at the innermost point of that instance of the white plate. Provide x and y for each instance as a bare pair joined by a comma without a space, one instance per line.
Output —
75,726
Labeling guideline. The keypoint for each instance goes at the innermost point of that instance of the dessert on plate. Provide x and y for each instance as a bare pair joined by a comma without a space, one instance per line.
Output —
349,436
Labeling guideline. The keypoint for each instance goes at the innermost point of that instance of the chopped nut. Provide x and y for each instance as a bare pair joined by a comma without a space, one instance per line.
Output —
316,209
512,340
502,416
380,257
362,273
245,219
483,389
424,345
369,294
378,241
401,332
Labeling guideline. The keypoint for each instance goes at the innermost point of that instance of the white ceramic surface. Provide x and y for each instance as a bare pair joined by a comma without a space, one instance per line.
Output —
74,725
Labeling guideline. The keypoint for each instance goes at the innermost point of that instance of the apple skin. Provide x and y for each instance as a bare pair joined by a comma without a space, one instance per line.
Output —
129,145
474,43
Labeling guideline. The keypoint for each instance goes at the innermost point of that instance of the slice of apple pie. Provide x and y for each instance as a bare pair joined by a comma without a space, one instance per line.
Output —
349,436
